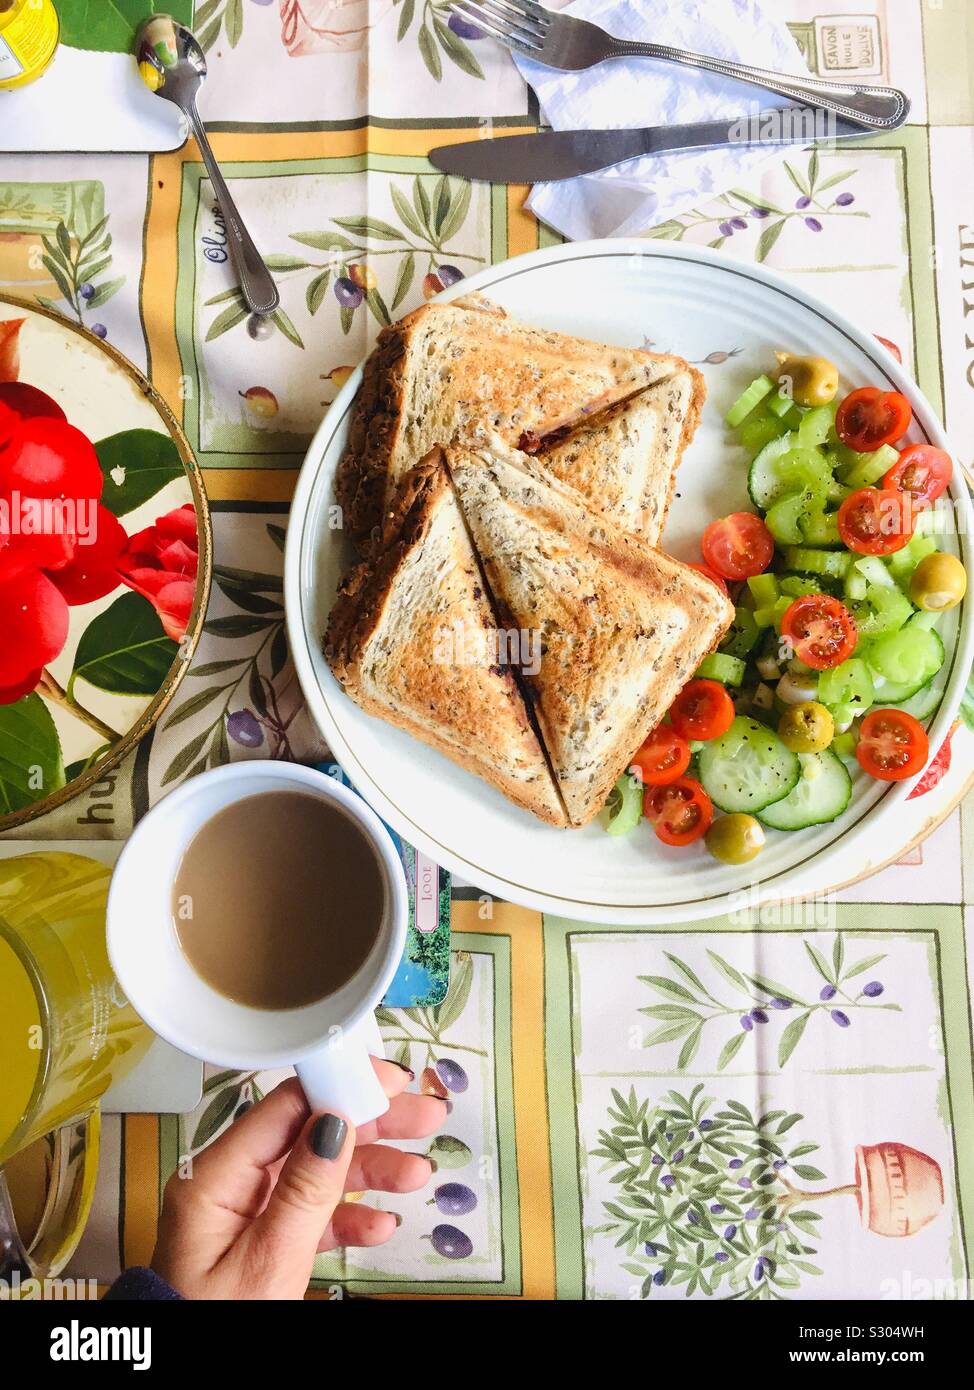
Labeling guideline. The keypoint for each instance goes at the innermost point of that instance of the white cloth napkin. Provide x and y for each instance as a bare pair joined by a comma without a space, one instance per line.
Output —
641,92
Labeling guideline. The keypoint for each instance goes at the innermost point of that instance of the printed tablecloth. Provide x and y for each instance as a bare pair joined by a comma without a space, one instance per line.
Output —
635,1112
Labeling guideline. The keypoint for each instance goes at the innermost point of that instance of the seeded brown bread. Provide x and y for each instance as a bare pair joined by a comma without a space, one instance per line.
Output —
623,461
393,643
622,626
453,371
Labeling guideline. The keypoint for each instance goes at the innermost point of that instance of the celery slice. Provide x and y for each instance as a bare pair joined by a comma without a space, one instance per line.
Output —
748,400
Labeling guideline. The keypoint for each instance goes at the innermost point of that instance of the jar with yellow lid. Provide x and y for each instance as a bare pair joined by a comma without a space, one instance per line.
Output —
29,31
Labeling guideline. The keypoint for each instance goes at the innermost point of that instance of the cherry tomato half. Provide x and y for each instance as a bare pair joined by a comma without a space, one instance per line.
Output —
738,545
877,521
892,745
710,574
703,709
936,772
681,812
923,471
869,418
663,758
821,630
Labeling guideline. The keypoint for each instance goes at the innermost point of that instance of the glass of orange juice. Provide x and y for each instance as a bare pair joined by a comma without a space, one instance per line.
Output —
66,1035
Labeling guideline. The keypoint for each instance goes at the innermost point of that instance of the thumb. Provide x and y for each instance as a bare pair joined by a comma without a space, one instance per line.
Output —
309,1186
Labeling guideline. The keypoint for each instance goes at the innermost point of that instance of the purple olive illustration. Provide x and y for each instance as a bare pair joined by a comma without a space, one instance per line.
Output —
463,29
454,1199
452,1075
668,1180
449,275
736,1163
803,202
813,224
706,1124
730,1232
244,728
744,1182
721,1257
827,992
656,1160
678,1156
840,1018
760,212
781,1003
844,199
659,1277
716,1209
779,1163
87,290
739,223
99,330
873,989
451,1243
650,1249
751,1214
348,294
747,1022
759,1016
726,229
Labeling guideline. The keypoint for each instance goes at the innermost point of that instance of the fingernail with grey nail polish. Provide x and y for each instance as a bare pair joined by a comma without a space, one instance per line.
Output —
328,1136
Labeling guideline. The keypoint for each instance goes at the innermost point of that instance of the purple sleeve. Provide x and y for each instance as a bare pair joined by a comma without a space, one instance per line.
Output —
141,1285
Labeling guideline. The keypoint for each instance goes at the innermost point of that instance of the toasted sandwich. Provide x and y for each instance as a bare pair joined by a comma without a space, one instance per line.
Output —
622,626
455,370
412,636
623,461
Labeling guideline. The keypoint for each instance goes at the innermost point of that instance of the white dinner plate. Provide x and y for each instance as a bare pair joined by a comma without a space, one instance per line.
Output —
690,301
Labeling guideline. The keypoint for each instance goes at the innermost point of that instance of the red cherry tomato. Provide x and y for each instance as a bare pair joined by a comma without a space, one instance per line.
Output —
703,709
680,812
709,573
892,745
869,418
821,630
877,521
738,545
936,772
923,471
663,758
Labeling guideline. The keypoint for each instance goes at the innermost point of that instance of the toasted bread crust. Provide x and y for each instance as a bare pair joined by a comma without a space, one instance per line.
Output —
500,373
483,725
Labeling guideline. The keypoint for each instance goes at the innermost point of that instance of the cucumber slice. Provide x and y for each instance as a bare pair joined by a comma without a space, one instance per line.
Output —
763,480
913,654
822,793
747,768
624,806
759,430
748,400
720,666
922,704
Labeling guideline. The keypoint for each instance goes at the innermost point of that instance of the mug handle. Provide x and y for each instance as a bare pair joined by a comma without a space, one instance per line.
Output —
340,1075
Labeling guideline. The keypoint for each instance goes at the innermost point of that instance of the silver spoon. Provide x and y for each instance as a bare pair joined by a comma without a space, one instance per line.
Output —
173,65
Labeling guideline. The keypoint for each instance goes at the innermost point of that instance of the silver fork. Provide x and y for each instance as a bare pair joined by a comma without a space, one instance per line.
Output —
561,41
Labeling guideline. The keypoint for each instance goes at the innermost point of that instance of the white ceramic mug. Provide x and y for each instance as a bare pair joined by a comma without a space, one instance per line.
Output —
329,1042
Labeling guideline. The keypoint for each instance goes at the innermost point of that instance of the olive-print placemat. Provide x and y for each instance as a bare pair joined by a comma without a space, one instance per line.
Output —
778,1109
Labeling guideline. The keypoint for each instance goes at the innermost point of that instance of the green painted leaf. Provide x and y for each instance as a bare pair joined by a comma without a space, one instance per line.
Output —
219,1078
447,1013
378,307
315,292
31,765
833,179
404,279
248,599
214,668
406,214
250,579
797,179
124,650
285,262
369,227
216,1114
791,1037
233,21
730,1049
149,461
279,652
346,317
733,976
284,323
194,705
455,49
767,240
405,19
421,202
838,953
185,758
819,962
230,317
429,53
689,1048
237,625
104,292
808,1172
277,534
109,26
860,966
324,241
458,212
442,200
58,276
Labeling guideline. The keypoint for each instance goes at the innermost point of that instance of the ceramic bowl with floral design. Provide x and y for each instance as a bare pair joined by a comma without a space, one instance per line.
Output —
105,558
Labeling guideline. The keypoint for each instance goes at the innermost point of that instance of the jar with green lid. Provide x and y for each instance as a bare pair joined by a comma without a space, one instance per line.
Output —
29,31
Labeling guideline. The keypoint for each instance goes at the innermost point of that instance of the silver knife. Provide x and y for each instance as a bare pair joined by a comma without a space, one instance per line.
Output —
563,154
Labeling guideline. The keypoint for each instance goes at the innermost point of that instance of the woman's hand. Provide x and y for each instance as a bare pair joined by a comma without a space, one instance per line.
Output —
266,1196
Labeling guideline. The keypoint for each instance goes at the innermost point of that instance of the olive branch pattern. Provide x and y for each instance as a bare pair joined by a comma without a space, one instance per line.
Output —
757,1002
701,1197
252,676
430,218
438,34
737,211
75,260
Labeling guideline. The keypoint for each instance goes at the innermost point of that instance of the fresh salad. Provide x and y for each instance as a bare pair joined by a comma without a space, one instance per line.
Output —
833,658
